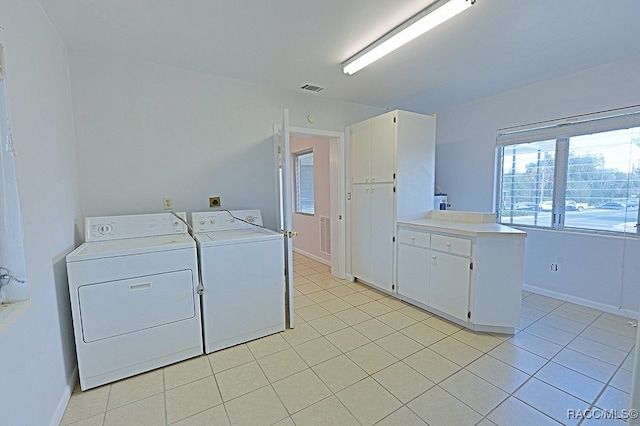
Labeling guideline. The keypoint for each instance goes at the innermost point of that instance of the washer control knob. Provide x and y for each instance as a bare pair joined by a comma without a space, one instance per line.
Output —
250,219
104,229
212,221
202,222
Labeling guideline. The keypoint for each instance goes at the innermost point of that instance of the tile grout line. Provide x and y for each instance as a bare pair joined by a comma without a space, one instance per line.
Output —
531,376
164,395
218,387
604,387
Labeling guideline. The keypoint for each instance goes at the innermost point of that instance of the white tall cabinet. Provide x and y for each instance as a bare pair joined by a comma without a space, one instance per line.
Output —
392,161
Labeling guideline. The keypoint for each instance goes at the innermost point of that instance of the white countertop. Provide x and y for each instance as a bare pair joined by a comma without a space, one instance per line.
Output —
463,223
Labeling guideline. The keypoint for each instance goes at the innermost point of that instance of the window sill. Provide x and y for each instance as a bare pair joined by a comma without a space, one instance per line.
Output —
10,311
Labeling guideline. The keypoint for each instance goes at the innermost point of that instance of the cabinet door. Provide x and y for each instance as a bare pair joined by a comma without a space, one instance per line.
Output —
360,152
382,232
361,231
383,149
449,284
413,272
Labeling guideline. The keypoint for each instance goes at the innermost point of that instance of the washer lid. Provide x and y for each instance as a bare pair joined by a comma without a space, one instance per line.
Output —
236,236
125,247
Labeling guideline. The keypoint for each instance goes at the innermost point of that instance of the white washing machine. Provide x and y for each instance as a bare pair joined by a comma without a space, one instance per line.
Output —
133,286
242,267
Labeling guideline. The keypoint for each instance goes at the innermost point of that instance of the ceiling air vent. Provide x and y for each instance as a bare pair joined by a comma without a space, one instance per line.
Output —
311,88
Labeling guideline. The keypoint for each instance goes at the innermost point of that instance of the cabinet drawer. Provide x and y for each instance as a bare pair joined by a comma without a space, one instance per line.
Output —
414,238
453,245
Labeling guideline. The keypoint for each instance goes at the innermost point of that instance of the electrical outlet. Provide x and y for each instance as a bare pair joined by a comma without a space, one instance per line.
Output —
214,202
167,202
554,267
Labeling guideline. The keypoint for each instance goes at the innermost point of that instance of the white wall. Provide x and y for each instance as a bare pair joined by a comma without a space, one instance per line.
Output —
37,357
308,227
465,164
145,131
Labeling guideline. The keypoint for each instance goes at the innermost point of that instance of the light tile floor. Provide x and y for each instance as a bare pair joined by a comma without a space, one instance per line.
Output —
358,356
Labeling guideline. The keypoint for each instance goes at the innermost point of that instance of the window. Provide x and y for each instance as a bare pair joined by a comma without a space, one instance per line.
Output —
582,173
303,163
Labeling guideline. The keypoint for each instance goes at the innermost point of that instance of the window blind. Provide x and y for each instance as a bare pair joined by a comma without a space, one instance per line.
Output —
573,126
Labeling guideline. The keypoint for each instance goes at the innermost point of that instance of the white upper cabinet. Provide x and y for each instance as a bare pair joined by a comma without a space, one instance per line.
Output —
383,143
361,152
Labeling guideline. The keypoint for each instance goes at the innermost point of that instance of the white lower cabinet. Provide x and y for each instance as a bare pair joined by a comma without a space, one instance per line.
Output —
449,284
372,231
473,281
414,263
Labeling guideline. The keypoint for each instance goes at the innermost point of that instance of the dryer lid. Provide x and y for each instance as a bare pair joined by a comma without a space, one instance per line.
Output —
125,247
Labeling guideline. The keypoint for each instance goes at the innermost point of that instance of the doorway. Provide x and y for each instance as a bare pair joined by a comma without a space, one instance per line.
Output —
325,231
311,189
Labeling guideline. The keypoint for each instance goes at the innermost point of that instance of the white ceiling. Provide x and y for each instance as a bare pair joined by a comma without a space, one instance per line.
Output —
494,46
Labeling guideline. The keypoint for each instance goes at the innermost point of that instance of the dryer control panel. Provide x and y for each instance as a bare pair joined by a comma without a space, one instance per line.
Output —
133,226
224,220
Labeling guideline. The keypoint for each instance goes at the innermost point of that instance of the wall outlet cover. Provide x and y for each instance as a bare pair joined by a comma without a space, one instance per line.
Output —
214,202
167,203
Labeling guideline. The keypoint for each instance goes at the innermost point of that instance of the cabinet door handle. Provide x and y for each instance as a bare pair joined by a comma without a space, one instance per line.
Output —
433,257
448,244
366,180
373,188
372,178
413,237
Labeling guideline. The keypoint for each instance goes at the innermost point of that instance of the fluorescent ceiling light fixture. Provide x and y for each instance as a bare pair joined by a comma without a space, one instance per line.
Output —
432,16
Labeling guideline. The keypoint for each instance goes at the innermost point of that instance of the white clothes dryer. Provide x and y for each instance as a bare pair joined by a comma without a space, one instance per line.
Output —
133,287
242,267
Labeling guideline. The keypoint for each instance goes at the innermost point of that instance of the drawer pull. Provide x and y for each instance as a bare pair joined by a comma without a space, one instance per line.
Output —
433,257
448,244
413,237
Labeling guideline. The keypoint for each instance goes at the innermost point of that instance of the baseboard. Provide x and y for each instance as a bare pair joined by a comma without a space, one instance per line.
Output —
580,301
64,398
312,256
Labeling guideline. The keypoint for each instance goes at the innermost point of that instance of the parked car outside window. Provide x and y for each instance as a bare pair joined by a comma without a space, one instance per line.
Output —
545,206
569,205
611,205
524,206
